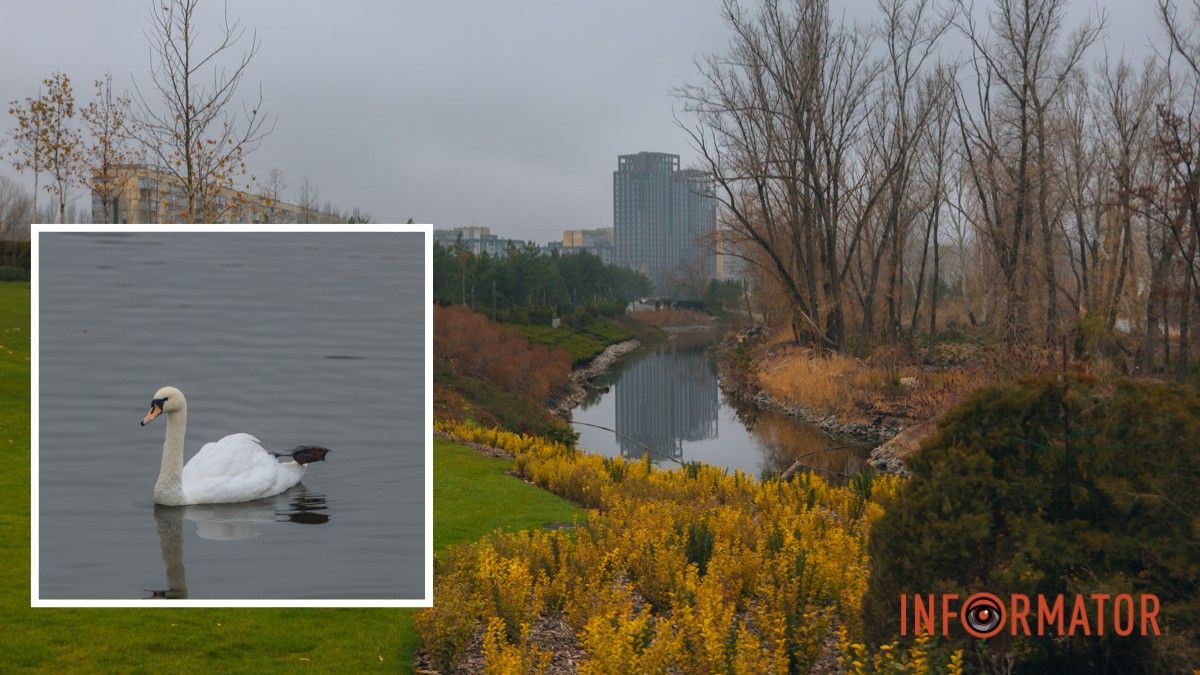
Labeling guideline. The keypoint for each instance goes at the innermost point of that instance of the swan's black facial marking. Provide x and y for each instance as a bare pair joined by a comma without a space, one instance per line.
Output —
156,408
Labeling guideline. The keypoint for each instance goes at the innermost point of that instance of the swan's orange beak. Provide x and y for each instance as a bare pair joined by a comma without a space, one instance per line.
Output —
155,411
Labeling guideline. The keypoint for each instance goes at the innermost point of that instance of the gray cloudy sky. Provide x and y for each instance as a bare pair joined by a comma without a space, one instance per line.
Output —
508,114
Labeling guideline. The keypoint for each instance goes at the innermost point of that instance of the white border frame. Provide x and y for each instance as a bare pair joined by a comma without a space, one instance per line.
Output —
38,229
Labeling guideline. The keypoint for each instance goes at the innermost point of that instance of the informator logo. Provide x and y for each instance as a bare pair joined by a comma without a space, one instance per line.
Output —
985,615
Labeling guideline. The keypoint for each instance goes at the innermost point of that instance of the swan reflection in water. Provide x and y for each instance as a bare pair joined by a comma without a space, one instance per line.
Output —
227,522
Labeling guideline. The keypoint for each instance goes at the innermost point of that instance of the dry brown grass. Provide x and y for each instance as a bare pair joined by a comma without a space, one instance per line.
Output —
816,382
852,389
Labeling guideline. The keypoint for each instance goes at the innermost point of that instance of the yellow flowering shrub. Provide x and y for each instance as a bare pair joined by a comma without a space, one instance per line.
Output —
893,658
502,657
694,569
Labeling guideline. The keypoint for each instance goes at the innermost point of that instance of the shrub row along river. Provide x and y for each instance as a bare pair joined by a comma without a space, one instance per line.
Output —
667,402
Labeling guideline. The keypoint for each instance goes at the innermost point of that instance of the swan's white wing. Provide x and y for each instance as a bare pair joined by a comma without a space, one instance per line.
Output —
287,474
233,469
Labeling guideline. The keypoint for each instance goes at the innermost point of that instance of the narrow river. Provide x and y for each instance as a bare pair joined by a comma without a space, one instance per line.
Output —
666,402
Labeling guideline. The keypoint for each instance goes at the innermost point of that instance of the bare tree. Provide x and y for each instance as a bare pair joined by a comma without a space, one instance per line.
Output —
29,151
1125,121
812,141
1179,144
272,194
309,201
759,136
187,121
908,102
109,147
1021,66
938,139
45,138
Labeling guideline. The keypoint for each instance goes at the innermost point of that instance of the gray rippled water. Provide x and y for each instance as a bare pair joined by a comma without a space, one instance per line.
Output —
294,338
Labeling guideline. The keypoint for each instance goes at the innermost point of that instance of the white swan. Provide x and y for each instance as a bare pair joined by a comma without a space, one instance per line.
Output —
234,469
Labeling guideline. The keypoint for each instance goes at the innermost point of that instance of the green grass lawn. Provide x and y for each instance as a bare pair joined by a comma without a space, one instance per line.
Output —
473,496
584,343
474,488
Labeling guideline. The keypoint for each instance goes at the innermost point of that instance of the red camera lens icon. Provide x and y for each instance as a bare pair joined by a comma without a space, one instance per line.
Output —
983,615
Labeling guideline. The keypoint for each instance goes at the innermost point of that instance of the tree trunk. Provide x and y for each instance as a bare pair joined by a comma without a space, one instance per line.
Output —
1047,235
868,322
912,325
933,290
1185,311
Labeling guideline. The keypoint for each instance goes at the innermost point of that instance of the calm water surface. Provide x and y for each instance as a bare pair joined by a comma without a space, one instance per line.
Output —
666,402
294,338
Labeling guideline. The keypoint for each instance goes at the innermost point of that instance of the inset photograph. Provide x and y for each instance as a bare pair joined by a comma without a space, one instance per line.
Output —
234,416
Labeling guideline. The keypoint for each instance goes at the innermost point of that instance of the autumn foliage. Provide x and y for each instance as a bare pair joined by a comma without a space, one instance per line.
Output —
693,570
473,346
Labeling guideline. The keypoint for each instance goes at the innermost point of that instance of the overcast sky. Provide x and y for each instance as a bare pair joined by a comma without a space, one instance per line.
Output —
505,114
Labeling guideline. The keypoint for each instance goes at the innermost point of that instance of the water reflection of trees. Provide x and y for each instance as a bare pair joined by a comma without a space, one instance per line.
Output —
783,440
671,396
664,399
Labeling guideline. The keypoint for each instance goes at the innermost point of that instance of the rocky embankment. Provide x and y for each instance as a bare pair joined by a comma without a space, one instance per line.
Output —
890,455
830,423
580,380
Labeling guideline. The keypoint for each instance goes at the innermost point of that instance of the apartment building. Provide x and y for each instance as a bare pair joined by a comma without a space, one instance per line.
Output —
663,218
146,194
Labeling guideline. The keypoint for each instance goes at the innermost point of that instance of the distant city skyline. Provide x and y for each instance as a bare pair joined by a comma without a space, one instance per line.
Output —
476,113
507,115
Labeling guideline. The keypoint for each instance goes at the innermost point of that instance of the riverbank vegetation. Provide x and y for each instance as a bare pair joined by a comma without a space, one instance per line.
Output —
890,384
573,303
502,362
671,317
1037,202
693,568
491,374
1053,485
583,340
471,345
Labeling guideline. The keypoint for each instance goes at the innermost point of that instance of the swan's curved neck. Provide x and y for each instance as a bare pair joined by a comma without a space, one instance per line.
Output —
169,488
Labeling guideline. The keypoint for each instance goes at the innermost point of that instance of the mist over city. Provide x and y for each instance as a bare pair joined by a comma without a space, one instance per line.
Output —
502,115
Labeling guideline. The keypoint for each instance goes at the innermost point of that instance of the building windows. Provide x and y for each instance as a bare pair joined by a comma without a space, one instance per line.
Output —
662,217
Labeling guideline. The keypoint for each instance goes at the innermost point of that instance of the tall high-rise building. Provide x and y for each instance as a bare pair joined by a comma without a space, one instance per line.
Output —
663,220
